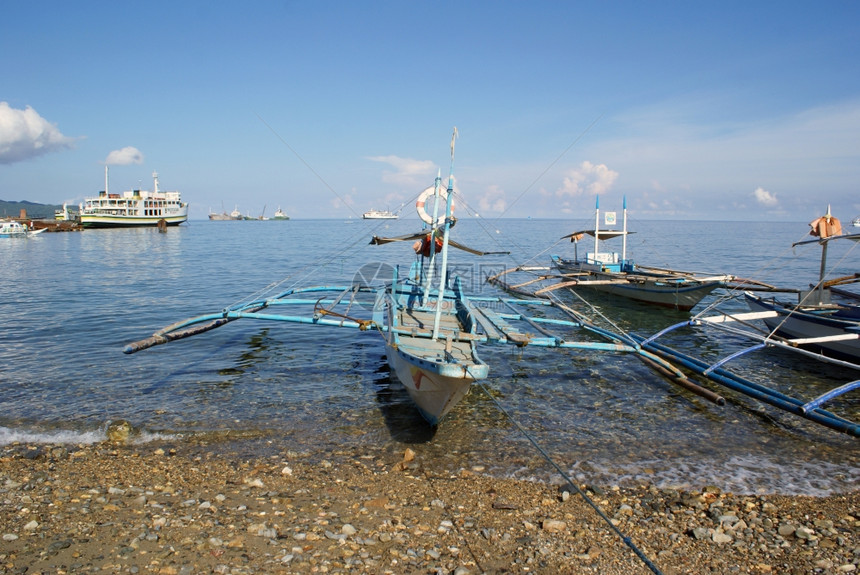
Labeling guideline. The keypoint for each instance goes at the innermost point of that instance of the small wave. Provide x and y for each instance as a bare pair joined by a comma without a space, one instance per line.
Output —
73,437
741,475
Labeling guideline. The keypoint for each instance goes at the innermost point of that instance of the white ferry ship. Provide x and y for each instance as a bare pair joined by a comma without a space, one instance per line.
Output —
134,208
379,215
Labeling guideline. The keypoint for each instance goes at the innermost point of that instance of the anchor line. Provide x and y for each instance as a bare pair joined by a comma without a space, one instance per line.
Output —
627,540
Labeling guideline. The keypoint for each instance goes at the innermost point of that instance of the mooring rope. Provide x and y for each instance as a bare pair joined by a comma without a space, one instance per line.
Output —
627,540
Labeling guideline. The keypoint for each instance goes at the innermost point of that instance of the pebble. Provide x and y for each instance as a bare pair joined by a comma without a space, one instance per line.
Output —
212,514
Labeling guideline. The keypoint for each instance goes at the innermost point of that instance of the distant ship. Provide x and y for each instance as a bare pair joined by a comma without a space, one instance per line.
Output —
134,208
280,215
223,216
65,215
379,215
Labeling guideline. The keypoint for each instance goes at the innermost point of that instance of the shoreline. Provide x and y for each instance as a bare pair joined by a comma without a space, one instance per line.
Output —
163,508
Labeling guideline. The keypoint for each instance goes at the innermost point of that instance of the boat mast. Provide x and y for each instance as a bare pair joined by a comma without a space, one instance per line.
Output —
624,229
822,272
437,186
596,226
106,180
442,276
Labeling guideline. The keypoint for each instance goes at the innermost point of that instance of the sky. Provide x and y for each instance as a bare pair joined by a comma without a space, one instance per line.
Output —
731,110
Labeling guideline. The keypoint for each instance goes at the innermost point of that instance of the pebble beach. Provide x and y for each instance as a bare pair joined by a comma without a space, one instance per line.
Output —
177,509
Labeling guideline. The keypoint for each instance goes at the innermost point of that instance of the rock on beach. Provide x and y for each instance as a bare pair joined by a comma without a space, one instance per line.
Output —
157,509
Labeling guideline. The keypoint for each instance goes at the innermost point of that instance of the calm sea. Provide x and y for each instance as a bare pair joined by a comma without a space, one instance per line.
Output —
69,302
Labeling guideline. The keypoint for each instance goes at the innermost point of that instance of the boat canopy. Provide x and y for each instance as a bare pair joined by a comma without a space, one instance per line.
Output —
378,241
602,234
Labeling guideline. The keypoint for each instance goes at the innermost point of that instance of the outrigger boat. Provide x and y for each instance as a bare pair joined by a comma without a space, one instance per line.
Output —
614,274
816,327
430,327
817,321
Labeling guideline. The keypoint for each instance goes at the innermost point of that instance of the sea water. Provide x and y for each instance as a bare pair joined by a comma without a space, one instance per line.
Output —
69,302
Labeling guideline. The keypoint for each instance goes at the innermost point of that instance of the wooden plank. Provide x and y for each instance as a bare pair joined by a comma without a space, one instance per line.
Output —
510,333
487,325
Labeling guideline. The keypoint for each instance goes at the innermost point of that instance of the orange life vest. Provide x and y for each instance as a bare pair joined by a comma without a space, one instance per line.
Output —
423,247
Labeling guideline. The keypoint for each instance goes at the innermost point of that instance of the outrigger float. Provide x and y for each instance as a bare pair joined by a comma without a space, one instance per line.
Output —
430,327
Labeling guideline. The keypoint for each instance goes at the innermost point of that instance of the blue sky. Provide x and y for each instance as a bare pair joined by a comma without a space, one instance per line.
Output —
692,110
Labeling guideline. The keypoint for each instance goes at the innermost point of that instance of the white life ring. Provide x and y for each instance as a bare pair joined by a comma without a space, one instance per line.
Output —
422,199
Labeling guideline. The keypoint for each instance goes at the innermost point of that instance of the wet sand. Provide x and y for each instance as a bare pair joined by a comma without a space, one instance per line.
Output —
173,509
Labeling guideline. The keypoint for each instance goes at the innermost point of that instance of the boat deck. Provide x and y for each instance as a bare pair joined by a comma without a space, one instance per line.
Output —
449,347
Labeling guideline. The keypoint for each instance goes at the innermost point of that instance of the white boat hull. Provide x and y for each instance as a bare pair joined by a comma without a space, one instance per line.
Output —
436,372
17,230
119,221
683,298
379,215
433,393
664,291
805,325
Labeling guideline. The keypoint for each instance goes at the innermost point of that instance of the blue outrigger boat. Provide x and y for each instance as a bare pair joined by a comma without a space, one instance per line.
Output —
816,327
431,328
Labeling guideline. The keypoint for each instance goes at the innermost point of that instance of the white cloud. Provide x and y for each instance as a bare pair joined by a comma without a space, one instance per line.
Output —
707,149
765,198
588,179
493,200
408,172
24,134
124,157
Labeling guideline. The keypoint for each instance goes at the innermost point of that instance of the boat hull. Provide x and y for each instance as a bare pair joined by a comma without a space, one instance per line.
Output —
17,230
109,221
379,215
437,372
810,325
682,298
435,390
653,289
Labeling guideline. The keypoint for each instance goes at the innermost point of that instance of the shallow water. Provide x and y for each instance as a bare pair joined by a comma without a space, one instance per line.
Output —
69,302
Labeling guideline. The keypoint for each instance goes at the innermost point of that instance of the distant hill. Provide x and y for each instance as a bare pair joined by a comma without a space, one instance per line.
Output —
35,211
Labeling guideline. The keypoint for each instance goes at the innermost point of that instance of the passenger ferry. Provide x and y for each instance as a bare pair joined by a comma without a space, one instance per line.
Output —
379,215
134,208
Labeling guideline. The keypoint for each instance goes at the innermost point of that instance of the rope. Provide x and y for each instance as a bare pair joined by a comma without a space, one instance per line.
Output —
627,540
306,271
363,324
736,291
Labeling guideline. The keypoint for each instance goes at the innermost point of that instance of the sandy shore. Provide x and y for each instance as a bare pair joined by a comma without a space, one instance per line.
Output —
167,509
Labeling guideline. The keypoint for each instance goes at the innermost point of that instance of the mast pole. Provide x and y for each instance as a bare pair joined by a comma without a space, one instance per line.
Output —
596,226
624,229
440,300
433,226
822,272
